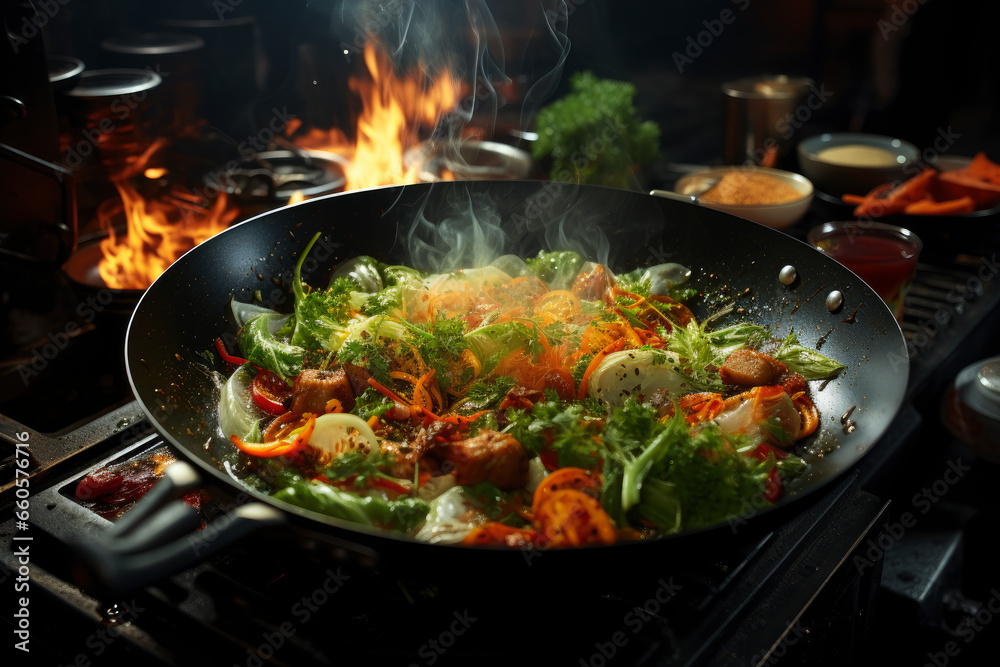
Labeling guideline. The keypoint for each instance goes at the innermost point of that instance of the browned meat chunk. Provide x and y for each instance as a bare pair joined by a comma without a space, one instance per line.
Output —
358,378
488,457
750,368
398,459
315,388
522,398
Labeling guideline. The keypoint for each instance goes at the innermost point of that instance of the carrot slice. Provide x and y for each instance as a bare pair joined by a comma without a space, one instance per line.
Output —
565,478
884,200
928,206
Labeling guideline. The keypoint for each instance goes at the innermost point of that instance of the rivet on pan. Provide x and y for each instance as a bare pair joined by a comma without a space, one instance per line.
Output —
788,274
834,300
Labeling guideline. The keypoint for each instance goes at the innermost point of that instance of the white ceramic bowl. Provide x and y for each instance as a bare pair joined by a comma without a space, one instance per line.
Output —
776,216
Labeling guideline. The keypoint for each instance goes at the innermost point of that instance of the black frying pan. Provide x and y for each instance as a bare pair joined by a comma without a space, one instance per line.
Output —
187,308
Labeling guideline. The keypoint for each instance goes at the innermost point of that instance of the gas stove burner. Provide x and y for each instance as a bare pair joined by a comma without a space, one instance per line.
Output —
272,177
82,269
475,160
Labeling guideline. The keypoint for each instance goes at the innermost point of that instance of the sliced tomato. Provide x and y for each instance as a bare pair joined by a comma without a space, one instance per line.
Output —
772,488
561,382
269,392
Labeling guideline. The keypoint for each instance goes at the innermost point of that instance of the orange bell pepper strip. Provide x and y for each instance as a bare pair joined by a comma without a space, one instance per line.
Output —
883,201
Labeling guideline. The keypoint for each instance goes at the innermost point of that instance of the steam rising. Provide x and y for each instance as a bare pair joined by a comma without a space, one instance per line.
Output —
464,233
469,225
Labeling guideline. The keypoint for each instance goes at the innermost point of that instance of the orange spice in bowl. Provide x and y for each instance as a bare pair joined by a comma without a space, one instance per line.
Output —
750,188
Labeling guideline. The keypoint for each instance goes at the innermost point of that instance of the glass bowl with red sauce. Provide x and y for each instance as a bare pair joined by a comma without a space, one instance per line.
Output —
884,256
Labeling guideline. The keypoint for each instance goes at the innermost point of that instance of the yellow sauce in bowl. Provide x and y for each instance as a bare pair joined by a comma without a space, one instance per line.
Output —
858,155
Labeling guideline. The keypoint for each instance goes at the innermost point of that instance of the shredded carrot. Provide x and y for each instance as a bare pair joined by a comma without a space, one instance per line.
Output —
334,405
385,391
400,375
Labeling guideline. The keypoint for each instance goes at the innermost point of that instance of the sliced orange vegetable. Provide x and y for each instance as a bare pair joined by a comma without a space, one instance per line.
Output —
928,206
955,184
808,413
702,406
278,447
571,518
561,304
883,201
565,478
983,168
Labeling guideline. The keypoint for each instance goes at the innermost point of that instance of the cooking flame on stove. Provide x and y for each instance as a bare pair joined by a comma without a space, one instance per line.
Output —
296,197
394,110
157,234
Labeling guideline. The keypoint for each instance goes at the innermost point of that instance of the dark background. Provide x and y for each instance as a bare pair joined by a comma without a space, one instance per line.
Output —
907,68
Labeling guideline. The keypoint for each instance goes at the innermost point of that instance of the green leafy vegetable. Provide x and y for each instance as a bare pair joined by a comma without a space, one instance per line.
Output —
264,349
405,514
485,394
593,134
566,429
557,269
807,362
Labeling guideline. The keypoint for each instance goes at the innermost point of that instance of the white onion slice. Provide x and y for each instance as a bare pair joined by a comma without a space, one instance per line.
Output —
637,374
332,433
237,412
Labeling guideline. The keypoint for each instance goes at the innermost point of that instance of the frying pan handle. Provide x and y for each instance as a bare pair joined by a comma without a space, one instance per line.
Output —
158,537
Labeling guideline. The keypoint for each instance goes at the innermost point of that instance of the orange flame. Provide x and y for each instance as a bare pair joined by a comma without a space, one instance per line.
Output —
393,111
158,233
296,197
